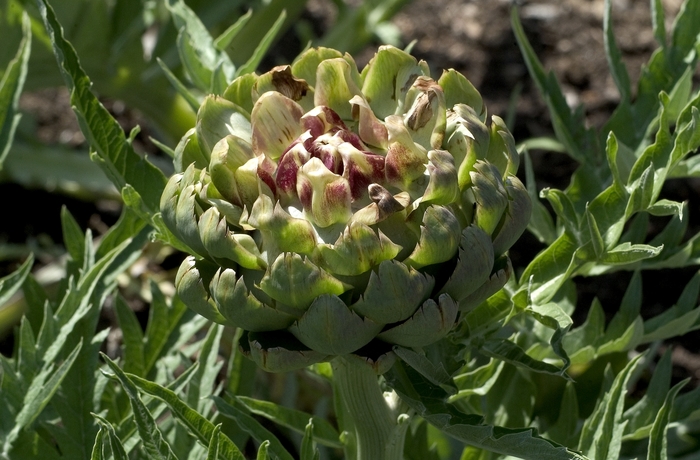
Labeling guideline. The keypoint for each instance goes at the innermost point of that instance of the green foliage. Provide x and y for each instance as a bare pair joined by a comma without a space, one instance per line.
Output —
11,83
516,378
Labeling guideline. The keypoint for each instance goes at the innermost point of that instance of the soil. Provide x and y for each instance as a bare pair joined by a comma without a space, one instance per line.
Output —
475,38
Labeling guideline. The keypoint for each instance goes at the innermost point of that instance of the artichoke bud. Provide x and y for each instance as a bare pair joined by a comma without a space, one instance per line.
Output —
398,288
332,212
281,80
502,271
430,323
357,250
337,81
439,238
188,152
324,195
371,130
180,208
227,156
296,282
468,136
515,218
240,91
275,124
502,152
360,169
383,205
459,90
405,160
287,169
490,196
168,202
475,261
442,187
331,327
280,231
216,119
426,118
190,286
220,242
278,351
388,78
241,308
321,120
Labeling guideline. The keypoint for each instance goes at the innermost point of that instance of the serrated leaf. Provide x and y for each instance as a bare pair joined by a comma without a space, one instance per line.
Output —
11,84
601,435
641,416
128,428
132,337
554,317
261,49
511,353
612,52
180,87
293,419
128,226
204,380
581,343
511,401
213,450
308,448
12,282
224,40
429,403
630,307
564,430
200,427
163,319
198,54
254,428
489,315
550,269
541,224
437,375
38,395
680,319
477,381
73,236
27,363
658,444
568,125
119,161
152,438
115,444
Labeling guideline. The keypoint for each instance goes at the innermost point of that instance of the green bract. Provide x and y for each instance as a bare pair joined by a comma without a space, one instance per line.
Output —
331,211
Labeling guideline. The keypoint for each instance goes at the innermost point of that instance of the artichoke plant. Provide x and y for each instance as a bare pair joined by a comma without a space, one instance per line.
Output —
334,214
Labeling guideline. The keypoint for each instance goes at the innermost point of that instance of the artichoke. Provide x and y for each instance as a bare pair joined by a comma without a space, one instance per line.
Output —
332,212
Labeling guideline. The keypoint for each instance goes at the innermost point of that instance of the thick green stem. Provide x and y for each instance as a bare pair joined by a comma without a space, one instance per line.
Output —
379,430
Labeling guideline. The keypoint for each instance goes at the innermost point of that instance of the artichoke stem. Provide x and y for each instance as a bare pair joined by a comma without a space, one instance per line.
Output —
378,430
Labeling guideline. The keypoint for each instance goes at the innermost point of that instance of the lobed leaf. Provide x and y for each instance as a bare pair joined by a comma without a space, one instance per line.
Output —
254,428
151,436
117,157
11,84
199,426
38,395
323,431
658,444
601,435
429,401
